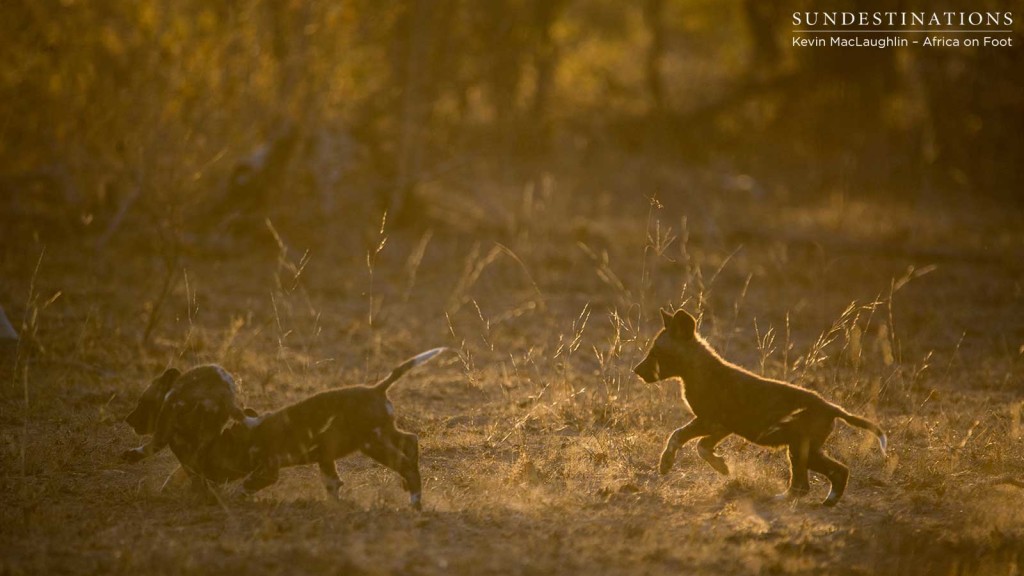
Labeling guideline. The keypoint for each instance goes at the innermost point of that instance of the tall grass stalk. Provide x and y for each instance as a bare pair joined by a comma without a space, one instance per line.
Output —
371,261
29,330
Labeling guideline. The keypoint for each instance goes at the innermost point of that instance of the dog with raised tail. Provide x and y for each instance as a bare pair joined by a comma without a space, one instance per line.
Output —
727,399
328,426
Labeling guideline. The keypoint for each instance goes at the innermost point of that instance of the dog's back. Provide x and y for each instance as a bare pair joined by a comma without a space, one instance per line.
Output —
201,403
740,400
334,421
721,392
331,423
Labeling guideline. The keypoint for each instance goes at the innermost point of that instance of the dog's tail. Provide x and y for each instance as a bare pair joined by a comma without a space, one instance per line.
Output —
404,367
865,424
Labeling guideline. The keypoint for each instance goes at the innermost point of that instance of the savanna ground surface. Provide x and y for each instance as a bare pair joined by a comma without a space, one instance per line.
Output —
538,445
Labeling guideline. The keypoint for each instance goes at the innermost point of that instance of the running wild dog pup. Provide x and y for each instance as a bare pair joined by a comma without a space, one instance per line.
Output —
727,399
328,426
319,429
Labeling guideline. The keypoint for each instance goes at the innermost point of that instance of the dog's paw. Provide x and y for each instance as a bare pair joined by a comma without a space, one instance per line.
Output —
236,492
416,500
332,489
831,500
134,455
792,494
720,466
713,460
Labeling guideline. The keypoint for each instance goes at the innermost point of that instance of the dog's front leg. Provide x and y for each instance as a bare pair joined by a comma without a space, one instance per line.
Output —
695,429
151,447
706,450
329,474
161,437
799,484
260,478
176,478
136,454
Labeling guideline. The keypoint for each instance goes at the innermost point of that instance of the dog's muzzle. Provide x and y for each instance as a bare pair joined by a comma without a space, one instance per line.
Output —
648,371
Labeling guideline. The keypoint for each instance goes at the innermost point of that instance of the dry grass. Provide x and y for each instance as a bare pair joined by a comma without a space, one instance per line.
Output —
538,445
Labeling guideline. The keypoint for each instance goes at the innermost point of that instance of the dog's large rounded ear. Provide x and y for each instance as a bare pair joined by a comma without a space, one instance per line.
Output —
683,325
170,375
666,318
167,378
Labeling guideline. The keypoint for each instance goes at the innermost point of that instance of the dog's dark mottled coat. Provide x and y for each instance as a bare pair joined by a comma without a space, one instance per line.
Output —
727,399
186,412
319,429
333,424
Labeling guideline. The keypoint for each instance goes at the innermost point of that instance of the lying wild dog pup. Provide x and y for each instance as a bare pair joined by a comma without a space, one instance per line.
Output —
327,426
187,412
727,399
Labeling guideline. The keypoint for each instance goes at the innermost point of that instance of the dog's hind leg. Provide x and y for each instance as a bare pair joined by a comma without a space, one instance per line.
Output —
706,450
329,474
695,429
836,472
409,445
399,451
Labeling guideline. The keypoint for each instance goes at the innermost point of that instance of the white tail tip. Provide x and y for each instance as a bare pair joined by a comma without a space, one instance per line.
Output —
883,442
425,356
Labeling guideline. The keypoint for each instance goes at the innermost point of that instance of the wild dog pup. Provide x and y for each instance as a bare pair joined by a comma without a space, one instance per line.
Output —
333,424
186,411
727,399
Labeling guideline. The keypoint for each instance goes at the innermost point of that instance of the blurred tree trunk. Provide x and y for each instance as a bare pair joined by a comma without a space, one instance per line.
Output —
287,23
653,16
763,19
545,13
501,35
296,106
409,66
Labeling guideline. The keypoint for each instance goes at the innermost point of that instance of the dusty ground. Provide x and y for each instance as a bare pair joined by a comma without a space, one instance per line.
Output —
538,445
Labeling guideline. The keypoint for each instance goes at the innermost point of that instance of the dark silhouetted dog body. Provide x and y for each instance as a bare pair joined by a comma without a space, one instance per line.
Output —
186,412
333,424
727,399
319,429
